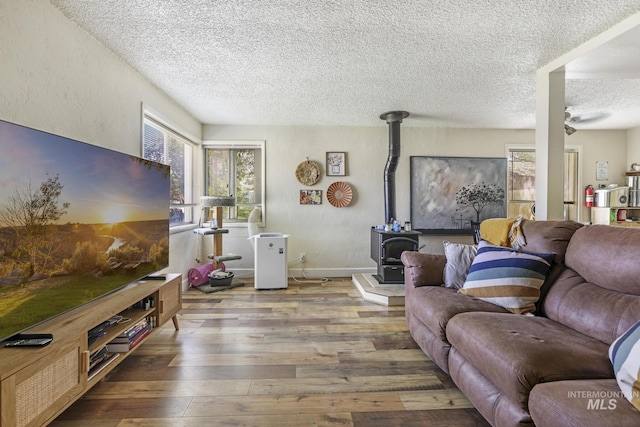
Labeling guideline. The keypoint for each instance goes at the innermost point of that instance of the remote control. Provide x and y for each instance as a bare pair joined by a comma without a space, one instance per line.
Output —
29,342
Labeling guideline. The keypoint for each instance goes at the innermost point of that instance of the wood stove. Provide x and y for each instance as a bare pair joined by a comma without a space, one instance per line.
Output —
386,248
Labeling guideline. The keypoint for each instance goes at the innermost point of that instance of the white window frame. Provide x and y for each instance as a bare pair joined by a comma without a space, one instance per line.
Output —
222,145
189,200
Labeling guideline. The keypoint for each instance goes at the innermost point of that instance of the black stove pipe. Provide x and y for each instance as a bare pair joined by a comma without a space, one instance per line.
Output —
393,118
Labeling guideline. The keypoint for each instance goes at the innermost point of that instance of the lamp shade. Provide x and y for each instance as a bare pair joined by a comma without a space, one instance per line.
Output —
211,201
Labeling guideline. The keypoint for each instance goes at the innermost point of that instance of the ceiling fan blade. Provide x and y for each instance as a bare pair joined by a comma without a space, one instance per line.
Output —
588,117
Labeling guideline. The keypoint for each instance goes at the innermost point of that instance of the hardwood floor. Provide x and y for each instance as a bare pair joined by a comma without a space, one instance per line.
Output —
310,355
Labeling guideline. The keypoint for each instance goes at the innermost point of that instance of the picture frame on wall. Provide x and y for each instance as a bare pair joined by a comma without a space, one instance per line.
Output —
450,194
310,197
336,163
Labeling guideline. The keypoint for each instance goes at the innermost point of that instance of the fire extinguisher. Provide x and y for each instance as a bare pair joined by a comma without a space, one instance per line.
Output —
588,196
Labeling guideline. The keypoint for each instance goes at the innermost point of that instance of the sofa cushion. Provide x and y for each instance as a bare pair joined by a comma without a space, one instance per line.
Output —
548,236
423,269
517,352
497,408
590,309
598,293
625,356
607,257
545,237
506,277
432,345
581,403
435,305
459,258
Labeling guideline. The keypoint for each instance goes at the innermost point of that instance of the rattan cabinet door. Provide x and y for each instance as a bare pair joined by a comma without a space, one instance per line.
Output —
34,394
170,301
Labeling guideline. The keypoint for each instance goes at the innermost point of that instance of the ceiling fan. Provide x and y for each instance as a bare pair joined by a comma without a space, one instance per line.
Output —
571,119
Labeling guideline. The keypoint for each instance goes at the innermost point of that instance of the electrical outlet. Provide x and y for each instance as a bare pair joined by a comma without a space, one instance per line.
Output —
303,257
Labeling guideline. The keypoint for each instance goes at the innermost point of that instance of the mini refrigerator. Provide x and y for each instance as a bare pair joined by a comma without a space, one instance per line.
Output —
270,255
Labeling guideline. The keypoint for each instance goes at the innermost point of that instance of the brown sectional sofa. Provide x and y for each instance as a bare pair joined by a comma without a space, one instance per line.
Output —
546,369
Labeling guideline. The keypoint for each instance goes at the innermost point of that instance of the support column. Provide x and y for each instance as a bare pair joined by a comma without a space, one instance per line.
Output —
550,105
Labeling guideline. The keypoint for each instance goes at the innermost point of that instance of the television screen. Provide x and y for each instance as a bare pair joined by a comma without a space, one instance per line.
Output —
77,221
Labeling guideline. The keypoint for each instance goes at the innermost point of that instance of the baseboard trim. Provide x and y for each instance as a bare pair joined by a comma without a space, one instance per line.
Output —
310,272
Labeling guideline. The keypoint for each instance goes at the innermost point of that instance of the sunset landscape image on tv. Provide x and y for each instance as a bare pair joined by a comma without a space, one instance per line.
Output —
77,221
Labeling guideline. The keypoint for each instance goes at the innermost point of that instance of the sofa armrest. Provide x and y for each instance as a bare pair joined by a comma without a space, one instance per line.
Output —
423,269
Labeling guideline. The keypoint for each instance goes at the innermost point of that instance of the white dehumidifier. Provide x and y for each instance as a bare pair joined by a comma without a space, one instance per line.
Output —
270,254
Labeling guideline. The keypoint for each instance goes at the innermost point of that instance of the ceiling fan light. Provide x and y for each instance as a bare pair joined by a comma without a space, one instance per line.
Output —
569,130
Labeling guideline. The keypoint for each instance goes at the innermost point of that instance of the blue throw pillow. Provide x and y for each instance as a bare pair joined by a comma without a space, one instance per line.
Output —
506,277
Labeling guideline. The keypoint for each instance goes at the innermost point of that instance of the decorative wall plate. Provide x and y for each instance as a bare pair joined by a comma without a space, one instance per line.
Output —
308,172
339,194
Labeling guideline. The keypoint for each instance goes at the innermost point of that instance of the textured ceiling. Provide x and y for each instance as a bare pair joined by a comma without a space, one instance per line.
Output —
457,63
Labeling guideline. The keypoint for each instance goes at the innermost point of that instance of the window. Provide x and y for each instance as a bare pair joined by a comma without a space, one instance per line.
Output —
236,168
163,145
521,182
521,171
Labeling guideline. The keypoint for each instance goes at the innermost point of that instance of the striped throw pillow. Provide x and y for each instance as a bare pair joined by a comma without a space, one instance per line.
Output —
506,277
624,353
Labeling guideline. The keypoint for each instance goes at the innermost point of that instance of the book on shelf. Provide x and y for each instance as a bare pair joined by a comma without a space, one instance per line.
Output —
123,347
101,330
127,338
109,357
97,357
133,330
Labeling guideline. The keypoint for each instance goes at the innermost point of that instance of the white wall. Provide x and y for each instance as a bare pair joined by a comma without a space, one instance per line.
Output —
633,146
336,240
602,146
56,78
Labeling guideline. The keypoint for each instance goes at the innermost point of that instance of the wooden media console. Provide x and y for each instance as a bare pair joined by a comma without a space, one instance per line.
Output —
39,383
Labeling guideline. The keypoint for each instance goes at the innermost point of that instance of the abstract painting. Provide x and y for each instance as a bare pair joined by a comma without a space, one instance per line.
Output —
449,193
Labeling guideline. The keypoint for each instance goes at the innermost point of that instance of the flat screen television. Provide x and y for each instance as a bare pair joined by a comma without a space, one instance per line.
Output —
77,221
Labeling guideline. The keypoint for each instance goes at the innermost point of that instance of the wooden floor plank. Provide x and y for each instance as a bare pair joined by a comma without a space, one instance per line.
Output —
411,355
346,384
314,354
254,359
301,347
154,389
281,420
377,339
259,405
109,409
435,418
383,368
190,373
351,328
434,399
